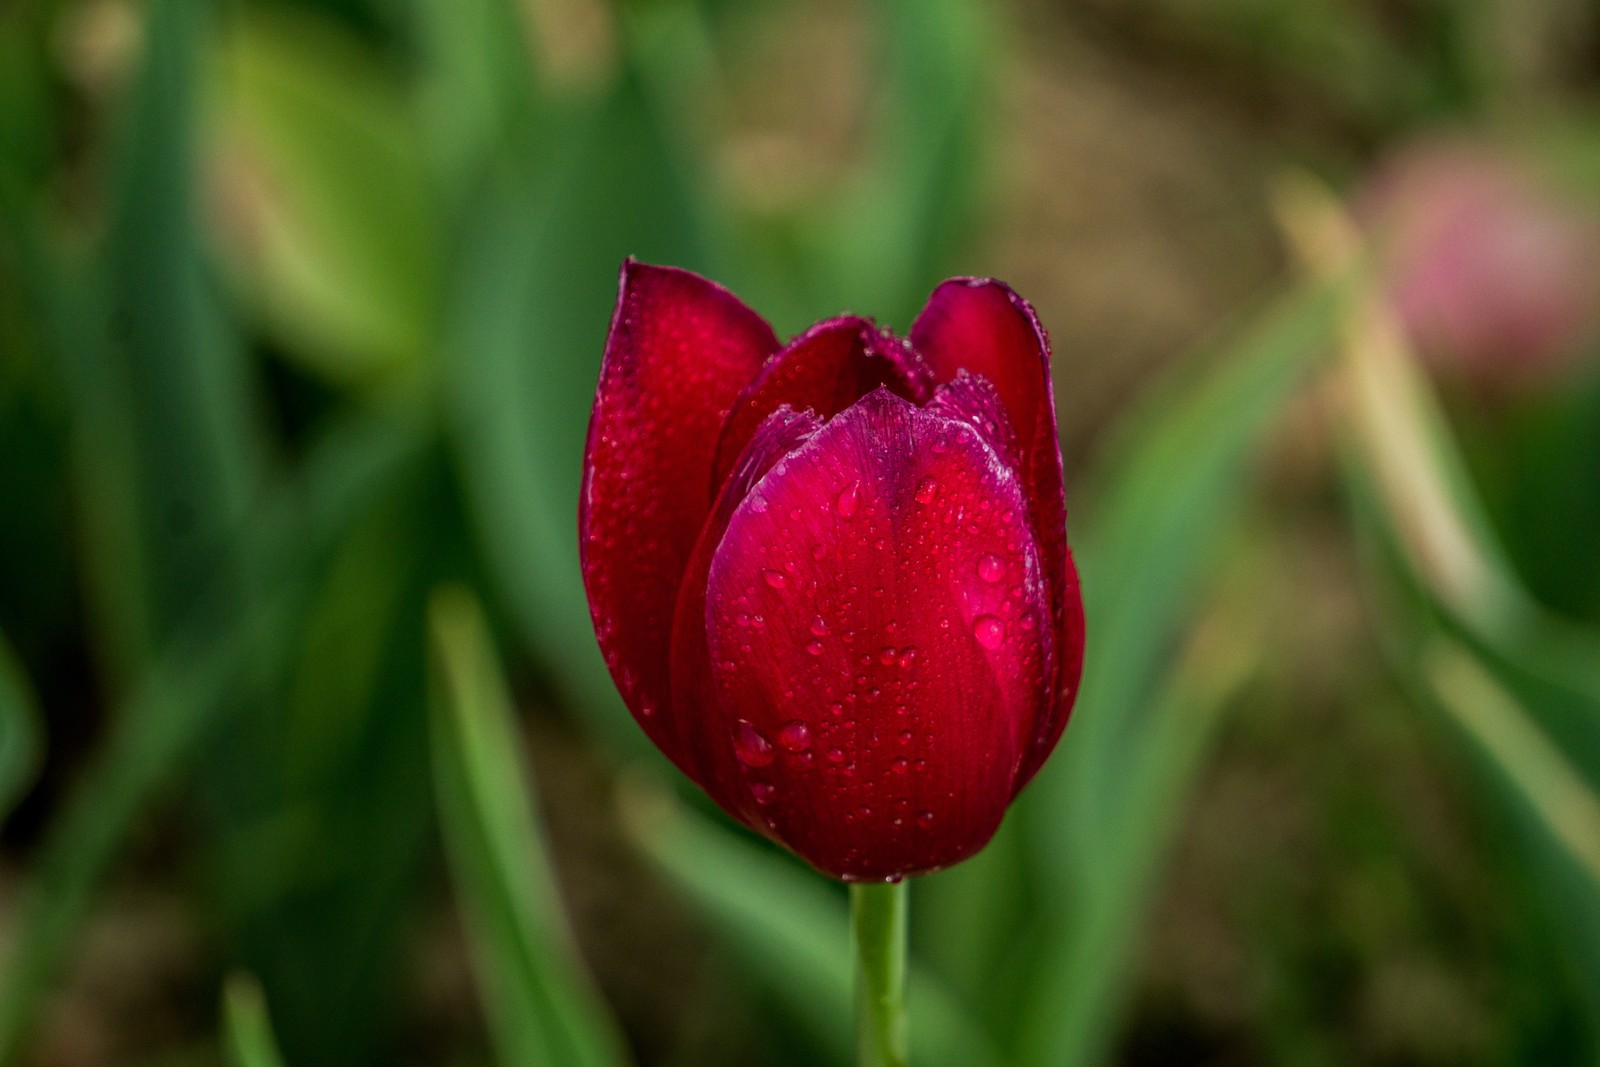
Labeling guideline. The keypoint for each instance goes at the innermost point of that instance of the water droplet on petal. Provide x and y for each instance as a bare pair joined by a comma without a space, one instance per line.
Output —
905,737
907,656
758,504
901,765
752,748
925,818
774,579
926,490
848,498
762,791
815,648
835,755
887,655
819,627
795,736
989,631
991,568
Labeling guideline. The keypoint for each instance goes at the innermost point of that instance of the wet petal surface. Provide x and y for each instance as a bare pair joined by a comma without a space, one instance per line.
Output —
981,326
681,349
876,718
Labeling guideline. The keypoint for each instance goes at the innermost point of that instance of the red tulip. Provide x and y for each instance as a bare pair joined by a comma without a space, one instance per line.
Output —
831,578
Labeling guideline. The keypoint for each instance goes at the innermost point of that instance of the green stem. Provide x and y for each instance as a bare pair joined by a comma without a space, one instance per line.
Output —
878,929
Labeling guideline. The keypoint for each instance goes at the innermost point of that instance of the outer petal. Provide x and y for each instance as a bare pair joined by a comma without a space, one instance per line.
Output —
680,350
878,630
827,368
981,326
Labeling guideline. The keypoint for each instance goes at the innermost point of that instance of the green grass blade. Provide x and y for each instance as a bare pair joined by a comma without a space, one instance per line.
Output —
792,932
158,729
1087,955
21,740
542,1009
1101,814
247,1029
342,269
1168,501
217,664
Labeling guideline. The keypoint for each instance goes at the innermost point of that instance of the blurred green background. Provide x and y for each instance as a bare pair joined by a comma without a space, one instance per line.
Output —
306,752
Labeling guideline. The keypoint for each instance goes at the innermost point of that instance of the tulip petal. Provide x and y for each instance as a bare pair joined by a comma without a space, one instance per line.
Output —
827,368
973,399
783,431
982,327
878,633
681,349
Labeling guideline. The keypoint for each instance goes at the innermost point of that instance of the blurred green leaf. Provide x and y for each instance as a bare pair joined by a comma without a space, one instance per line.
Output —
792,932
21,739
1425,497
1168,499
155,733
325,201
478,93
541,1007
220,660
1087,958
898,236
248,1029
1102,811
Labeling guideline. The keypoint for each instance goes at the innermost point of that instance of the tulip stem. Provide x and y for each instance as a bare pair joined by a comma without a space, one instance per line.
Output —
878,929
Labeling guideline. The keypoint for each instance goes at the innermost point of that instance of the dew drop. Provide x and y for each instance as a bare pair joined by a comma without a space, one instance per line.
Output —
907,656
848,498
926,490
752,748
774,579
795,736
815,648
819,627
989,631
901,765
836,708
758,504
905,738
835,755
762,791
991,568
887,655
925,818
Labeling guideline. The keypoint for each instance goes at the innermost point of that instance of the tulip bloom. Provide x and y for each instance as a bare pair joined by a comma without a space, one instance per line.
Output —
831,578
1495,275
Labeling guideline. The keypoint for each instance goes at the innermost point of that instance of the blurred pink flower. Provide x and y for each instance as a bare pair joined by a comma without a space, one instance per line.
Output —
1495,275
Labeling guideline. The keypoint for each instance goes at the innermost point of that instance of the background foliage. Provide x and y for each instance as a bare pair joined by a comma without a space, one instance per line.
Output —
307,755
